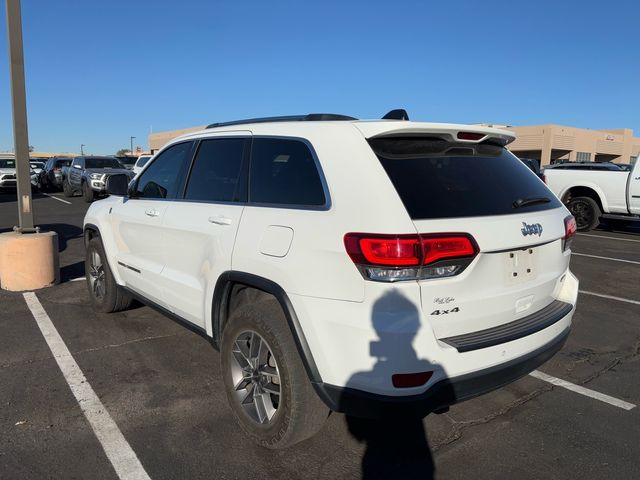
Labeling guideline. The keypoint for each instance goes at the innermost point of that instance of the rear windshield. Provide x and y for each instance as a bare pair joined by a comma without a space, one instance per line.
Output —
440,179
63,163
102,163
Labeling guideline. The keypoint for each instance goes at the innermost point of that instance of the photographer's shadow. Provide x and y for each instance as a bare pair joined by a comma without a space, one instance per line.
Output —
396,443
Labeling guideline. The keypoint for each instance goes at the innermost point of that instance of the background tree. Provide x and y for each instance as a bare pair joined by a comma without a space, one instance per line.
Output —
122,151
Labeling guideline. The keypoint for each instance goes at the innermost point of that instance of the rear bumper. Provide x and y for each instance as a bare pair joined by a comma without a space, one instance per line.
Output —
444,393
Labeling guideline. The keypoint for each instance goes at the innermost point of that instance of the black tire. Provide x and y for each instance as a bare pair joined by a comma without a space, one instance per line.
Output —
586,212
113,297
66,189
299,413
88,194
41,186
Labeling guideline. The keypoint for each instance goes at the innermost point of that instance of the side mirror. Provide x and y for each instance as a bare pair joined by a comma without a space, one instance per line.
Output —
118,184
77,166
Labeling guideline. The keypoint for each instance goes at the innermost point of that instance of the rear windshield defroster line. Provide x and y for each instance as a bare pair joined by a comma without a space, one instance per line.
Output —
439,179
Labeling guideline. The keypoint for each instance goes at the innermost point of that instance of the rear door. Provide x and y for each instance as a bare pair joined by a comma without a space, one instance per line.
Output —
75,172
517,223
137,221
634,189
199,229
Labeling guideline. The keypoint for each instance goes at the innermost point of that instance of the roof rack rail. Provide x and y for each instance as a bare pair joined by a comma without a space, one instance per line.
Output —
311,117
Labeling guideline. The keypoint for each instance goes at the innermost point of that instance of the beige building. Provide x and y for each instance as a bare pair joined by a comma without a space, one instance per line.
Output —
553,143
545,143
158,140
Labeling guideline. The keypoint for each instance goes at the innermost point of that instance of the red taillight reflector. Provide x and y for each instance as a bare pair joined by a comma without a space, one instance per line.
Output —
396,251
470,136
438,248
570,229
408,380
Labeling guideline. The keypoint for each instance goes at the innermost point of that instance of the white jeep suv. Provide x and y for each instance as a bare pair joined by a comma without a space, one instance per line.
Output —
366,267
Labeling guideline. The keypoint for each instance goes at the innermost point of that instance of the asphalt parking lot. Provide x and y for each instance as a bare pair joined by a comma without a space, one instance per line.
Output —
160,384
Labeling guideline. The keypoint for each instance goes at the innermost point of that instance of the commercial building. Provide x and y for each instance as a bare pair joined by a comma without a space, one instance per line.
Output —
545,143
557,143
157,140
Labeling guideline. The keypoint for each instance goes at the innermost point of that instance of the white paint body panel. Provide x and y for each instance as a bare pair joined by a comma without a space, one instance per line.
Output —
351,325
619,192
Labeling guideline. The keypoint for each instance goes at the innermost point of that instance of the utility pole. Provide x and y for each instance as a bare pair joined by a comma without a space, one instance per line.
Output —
131,151
19,104
82,145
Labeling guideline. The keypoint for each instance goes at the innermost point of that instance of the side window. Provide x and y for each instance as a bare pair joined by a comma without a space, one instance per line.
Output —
215,175
283,172
162,178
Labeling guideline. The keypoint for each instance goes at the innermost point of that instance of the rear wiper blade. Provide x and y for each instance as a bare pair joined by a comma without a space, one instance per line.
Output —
525,202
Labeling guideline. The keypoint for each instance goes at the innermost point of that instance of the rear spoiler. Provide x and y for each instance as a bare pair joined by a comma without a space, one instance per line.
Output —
447,131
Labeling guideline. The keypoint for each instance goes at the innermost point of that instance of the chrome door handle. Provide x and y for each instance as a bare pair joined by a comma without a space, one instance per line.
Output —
220,220
152,213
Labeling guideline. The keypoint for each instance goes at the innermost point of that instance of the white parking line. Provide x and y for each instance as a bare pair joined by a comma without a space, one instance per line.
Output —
605,258
115,446
56,198
78,279
610,297
581,390
610,238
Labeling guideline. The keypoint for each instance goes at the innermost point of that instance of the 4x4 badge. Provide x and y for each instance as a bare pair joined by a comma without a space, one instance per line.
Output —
531,229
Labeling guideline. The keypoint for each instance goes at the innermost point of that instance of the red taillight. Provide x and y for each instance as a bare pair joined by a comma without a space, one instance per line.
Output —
408,257
438,248
570,229
391,250
408,380
470,136
56,169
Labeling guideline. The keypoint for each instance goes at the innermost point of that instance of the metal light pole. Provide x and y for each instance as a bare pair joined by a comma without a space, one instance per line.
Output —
82,145
131,151
19,104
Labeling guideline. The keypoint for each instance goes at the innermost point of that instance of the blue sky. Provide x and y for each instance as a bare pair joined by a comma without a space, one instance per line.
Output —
98,72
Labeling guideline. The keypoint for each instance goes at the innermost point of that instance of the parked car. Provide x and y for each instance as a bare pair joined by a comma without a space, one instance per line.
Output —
7,174
141,162
8,181
589,194
37,167
366,267
52,175
87,175
127,161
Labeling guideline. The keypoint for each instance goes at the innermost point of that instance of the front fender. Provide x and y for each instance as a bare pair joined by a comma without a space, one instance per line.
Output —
98,218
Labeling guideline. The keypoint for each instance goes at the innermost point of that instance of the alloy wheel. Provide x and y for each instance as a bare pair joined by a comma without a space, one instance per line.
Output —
582,213
97,276
255,377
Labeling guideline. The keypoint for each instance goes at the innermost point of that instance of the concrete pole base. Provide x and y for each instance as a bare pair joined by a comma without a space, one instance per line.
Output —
28,261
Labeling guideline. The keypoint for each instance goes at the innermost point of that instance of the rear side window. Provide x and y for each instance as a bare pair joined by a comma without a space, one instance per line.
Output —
164,176
438,179
215,175
284,172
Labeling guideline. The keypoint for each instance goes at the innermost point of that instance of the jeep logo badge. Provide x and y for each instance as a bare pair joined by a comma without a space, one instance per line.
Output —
531,229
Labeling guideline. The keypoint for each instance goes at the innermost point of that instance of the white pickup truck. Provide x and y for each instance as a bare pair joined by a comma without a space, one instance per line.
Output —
588,194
